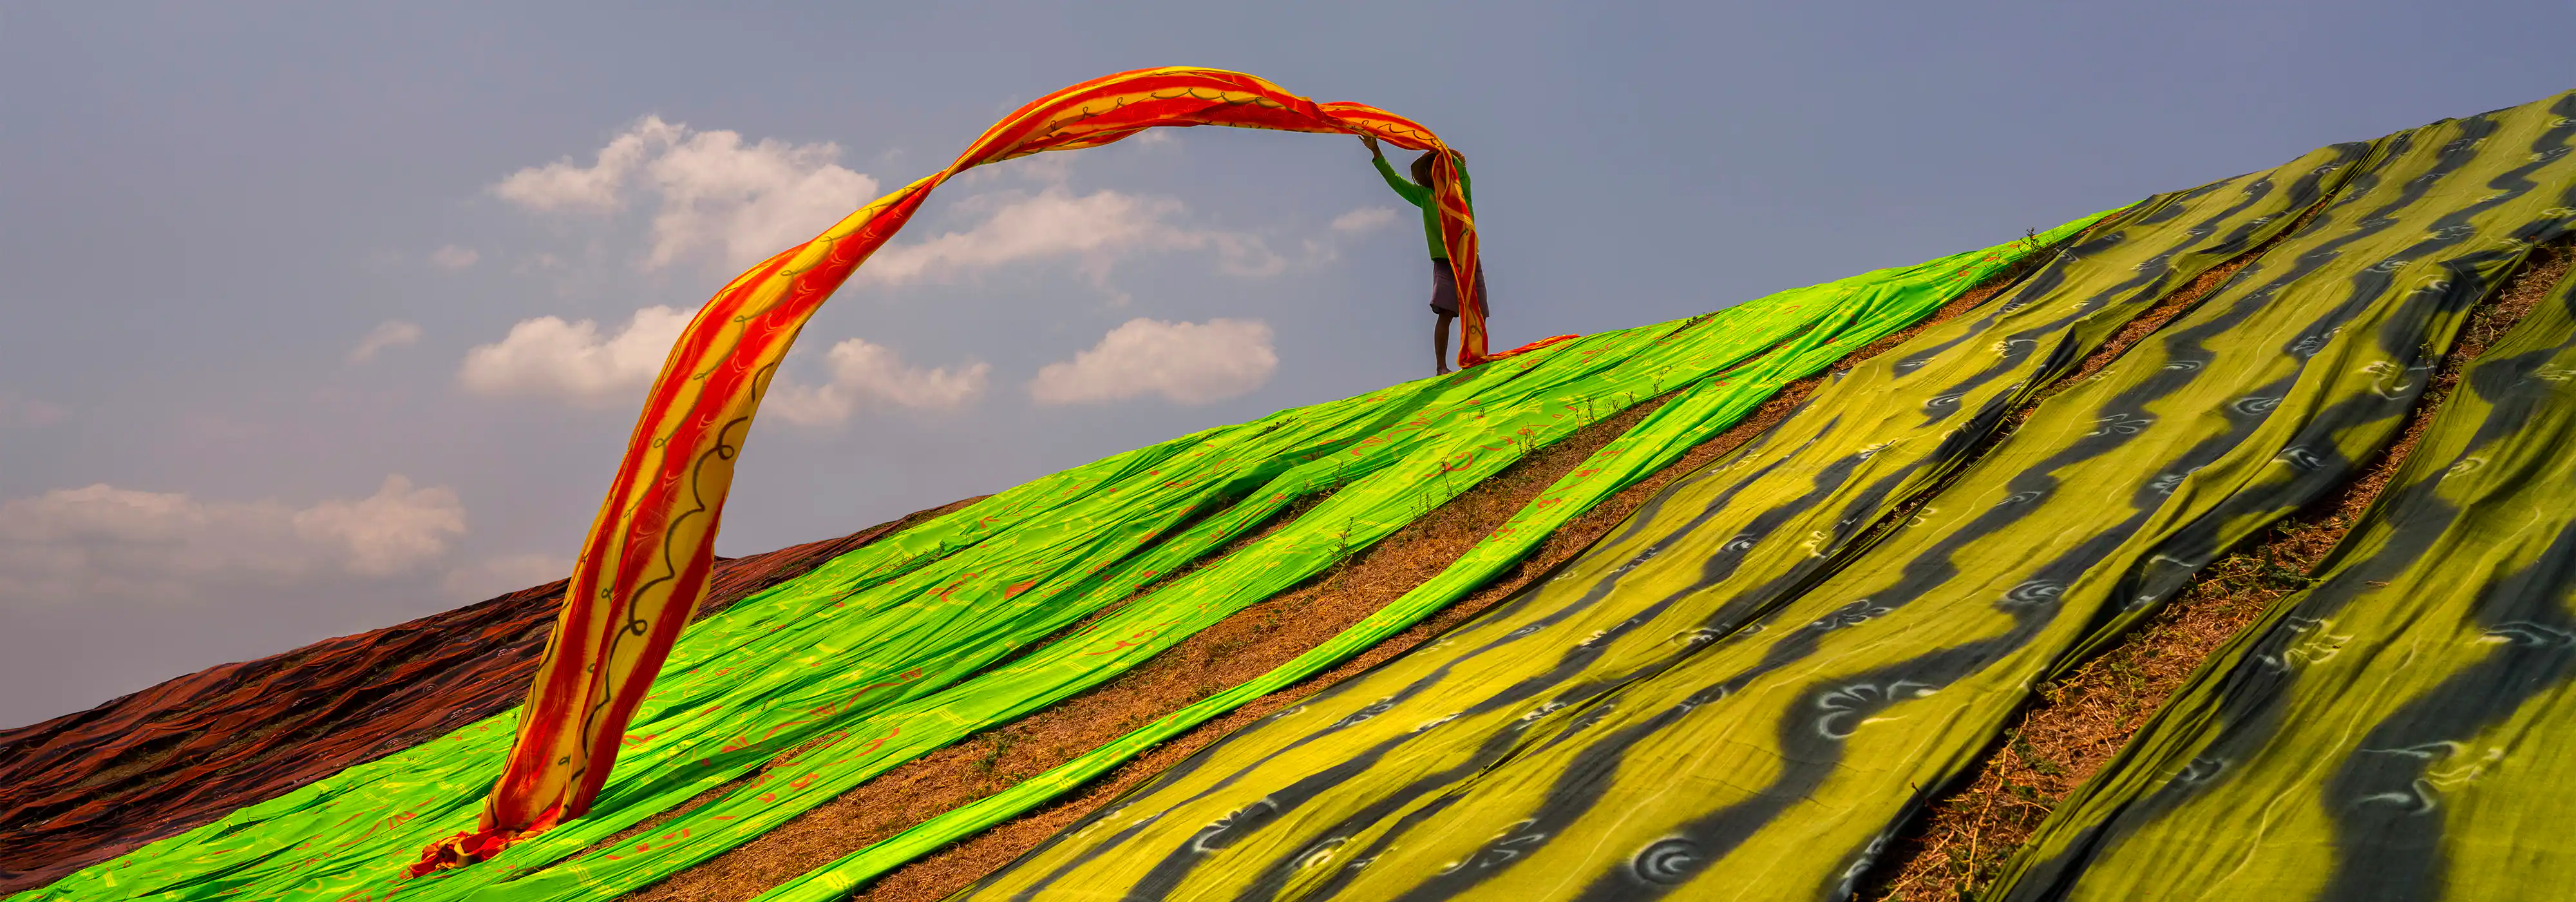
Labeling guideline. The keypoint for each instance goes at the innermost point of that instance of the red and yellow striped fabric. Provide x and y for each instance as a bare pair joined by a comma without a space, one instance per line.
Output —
645,563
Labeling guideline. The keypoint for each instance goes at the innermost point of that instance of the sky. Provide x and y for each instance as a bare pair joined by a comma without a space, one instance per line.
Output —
323,317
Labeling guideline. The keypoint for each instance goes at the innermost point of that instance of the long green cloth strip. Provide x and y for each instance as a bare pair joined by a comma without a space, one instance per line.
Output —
2399,729
1264,811
906,645
1527,410
1865,308
868,631
715,716
1776,764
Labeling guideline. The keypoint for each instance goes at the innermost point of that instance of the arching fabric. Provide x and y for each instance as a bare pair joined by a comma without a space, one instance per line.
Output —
645,562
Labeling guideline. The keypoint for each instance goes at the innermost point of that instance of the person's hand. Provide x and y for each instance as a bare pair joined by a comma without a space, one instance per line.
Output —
1371,141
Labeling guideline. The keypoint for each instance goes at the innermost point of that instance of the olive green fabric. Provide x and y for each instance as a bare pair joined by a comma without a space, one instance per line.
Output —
1864,309
922,639
1291,805
1774,764
2400,729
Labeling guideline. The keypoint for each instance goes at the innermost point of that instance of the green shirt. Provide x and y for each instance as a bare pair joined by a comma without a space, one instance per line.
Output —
1420,196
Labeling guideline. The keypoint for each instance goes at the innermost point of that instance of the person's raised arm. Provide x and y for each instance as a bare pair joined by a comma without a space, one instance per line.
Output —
1414,194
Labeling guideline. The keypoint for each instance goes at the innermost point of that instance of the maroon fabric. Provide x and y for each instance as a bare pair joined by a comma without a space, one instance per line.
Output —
86,787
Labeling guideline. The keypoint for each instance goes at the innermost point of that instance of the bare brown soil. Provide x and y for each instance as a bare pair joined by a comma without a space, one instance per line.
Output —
2081,720
1242,647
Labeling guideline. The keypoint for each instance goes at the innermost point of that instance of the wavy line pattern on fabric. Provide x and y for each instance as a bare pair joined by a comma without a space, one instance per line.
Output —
1287,807
885,653
1775,764
1865,308
2396,731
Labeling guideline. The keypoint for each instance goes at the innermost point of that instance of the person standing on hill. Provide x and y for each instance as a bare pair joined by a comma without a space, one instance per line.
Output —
1444,281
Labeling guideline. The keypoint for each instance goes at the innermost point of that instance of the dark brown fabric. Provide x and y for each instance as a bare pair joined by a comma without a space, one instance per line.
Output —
86,787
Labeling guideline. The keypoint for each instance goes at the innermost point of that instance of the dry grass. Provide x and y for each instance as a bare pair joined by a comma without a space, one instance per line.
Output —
2081,720
1235,650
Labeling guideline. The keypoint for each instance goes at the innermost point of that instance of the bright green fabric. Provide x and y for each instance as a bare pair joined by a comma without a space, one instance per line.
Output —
2400,729
1419,195
891,651
1864,308
1299,802
1494,427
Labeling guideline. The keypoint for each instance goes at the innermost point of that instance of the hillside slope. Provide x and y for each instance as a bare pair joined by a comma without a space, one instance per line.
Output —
1718,606
88,786
980,617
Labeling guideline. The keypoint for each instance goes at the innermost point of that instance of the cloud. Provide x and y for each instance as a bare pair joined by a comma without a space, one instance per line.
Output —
392,333
497,576
864,374
564,186
1364,219
1096,228
106,544
390,532
719,199
573,361
17,411
454,257
1189,363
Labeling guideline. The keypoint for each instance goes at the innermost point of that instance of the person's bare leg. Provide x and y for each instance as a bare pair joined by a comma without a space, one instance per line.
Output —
1440,341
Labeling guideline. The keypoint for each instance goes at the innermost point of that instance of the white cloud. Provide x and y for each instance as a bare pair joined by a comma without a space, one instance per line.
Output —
749,201
1054,223
720,199
1096,228
17,411
563,186
1239,254
870,374
573,361
1043,169
390,532
497,576
578,362
1364,219
392,333
106,544
454,257
1190,363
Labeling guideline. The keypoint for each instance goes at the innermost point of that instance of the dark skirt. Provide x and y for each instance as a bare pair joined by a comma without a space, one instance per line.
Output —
1444,288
